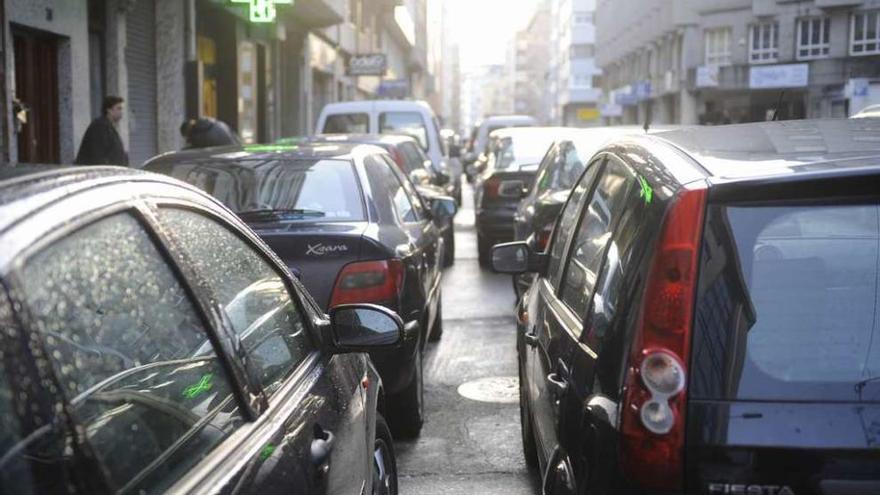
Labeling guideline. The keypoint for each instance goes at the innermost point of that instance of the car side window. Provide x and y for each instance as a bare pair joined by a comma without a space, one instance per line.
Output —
254,296
567,220
131,353
605,207
387,181
544,180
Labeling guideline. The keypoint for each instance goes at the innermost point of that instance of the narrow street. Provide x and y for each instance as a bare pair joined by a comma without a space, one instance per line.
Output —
467,445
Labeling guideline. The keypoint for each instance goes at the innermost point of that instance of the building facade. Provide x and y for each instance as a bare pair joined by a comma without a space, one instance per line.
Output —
723,61
176,59
572,76
532,62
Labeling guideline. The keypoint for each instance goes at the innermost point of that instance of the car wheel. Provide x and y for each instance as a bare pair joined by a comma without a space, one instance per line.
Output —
437,328
484,251
530,449
408,406
449,254
384,461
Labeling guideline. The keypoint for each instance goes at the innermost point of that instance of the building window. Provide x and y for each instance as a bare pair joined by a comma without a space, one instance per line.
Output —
718,46
581,81
764,42
865,33
581,18
814,38
582,50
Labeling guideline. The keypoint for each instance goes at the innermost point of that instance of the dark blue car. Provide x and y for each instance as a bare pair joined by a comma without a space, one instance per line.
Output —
705,318
351,226
152,343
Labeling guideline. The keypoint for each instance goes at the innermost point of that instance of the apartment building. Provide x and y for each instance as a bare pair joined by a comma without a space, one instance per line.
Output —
723,61
573,69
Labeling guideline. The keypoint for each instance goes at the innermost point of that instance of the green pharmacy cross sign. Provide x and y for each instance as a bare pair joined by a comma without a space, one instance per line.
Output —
263,10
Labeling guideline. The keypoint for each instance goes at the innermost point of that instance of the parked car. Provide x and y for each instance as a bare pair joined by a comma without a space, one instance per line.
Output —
410,118
479,140
352,227
153,343
510,168
560,169
703,320
414,164
871,111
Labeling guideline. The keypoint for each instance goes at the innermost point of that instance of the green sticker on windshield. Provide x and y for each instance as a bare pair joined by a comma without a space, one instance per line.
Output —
200,387
267,452
647,193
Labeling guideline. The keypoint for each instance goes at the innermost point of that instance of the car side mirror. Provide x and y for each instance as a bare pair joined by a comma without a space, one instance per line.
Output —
364,328
516,258
515,189
443,207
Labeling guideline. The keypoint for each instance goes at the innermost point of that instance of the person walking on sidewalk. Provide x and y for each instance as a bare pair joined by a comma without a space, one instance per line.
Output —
101,144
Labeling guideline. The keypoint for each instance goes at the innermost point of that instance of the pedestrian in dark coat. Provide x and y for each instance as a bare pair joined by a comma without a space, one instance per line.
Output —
101,144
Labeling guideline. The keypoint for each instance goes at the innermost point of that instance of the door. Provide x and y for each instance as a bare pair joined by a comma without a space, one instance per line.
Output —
546,347
36,87
316,439
140,56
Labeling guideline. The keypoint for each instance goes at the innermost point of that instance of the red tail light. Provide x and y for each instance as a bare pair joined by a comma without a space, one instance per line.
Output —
543,237
653,414
376,282
491,186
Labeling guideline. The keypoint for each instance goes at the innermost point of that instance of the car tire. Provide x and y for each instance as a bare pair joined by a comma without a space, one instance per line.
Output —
449,253
484,251
437,327
408,406
530,448
384,460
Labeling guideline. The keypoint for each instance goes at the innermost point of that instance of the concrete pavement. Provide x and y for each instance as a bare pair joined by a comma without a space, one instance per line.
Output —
470,446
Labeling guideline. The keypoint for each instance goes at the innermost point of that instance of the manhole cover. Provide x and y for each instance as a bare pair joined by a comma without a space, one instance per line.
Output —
503,389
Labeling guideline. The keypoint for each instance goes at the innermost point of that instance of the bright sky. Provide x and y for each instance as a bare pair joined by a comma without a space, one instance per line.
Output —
485,28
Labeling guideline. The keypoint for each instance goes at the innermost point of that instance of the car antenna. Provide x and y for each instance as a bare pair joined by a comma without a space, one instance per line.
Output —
778,104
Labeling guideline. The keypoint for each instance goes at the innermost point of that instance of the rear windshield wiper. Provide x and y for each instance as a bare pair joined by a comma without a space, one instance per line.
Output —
282,213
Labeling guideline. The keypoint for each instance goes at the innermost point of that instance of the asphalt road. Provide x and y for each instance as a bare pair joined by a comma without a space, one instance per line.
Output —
470,445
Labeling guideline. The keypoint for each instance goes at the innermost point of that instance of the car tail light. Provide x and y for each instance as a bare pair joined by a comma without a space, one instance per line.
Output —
377,282
653,414
543,237
491,187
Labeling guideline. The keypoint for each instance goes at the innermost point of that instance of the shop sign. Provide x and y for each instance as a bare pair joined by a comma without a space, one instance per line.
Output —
588,114
373,64
625,96
396,88
610,110
707,76
262,11
642,90
858,88
779,76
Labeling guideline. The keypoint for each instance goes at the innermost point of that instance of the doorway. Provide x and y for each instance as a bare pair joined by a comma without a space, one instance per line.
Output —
36,87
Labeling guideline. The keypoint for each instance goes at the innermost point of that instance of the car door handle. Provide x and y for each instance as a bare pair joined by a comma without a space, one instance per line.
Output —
558,385
322,446
531,339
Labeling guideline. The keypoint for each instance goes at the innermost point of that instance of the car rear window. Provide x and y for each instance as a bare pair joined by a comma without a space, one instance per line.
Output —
347,123
278,190
405,123
787,305
522,152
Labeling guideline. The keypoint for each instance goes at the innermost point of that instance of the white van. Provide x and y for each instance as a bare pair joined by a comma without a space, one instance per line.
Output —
413,118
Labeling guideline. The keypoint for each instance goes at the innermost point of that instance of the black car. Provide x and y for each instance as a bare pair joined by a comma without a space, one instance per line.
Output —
153,343
415,164
509,169
351,226
705,320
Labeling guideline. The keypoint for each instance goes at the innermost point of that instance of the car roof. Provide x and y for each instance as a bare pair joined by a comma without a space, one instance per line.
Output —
496,119
767,149
534,132
394,139
375,105
871,111
304,149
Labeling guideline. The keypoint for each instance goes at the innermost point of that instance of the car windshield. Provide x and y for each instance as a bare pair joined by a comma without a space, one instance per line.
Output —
521,152
278,190
802,315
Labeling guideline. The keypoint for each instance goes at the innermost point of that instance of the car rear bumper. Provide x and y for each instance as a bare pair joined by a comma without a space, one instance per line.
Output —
397,366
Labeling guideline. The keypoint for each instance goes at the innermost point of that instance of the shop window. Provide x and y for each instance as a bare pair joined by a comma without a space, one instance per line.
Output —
718,46
865,33
814,38
764,42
